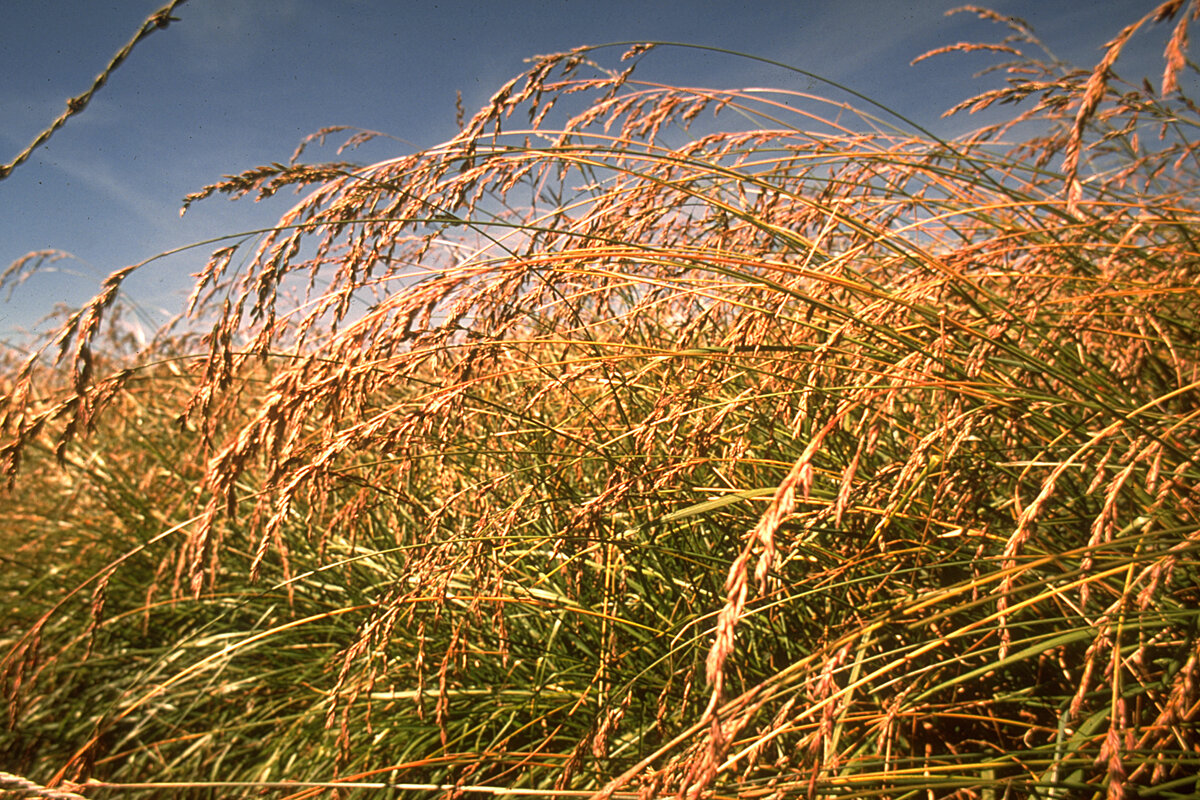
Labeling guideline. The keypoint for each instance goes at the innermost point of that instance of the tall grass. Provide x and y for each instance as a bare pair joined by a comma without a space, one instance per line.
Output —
643,439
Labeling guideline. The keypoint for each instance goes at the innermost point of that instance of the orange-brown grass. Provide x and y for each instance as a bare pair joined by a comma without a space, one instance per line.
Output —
613,449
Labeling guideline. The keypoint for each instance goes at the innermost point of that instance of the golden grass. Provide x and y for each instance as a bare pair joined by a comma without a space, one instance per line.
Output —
802,455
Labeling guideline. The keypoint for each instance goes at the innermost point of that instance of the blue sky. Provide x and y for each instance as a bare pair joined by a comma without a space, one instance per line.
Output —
238,83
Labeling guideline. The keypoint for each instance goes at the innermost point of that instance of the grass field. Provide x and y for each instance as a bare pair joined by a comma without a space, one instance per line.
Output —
642,440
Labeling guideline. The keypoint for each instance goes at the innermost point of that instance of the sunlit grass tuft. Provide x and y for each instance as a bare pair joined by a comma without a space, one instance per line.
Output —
618,446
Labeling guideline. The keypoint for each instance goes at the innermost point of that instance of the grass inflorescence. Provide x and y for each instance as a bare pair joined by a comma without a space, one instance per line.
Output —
643,439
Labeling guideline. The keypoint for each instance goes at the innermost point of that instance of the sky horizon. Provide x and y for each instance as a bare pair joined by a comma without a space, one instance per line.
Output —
233,85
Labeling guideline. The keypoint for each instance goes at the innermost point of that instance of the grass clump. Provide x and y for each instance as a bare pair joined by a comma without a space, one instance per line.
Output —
791,453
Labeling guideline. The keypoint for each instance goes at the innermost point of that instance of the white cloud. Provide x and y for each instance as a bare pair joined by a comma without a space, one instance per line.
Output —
228,34
100,177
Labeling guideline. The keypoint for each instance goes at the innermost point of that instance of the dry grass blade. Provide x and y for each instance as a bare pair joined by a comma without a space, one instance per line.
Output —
159,19
23,787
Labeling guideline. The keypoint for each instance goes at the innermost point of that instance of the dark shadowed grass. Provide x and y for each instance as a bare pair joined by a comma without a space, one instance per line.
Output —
790,453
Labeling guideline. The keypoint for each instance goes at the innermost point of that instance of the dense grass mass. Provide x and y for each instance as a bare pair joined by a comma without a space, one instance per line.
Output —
643,439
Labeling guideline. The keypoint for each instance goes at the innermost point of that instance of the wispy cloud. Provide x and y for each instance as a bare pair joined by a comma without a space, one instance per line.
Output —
228,34
100,177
